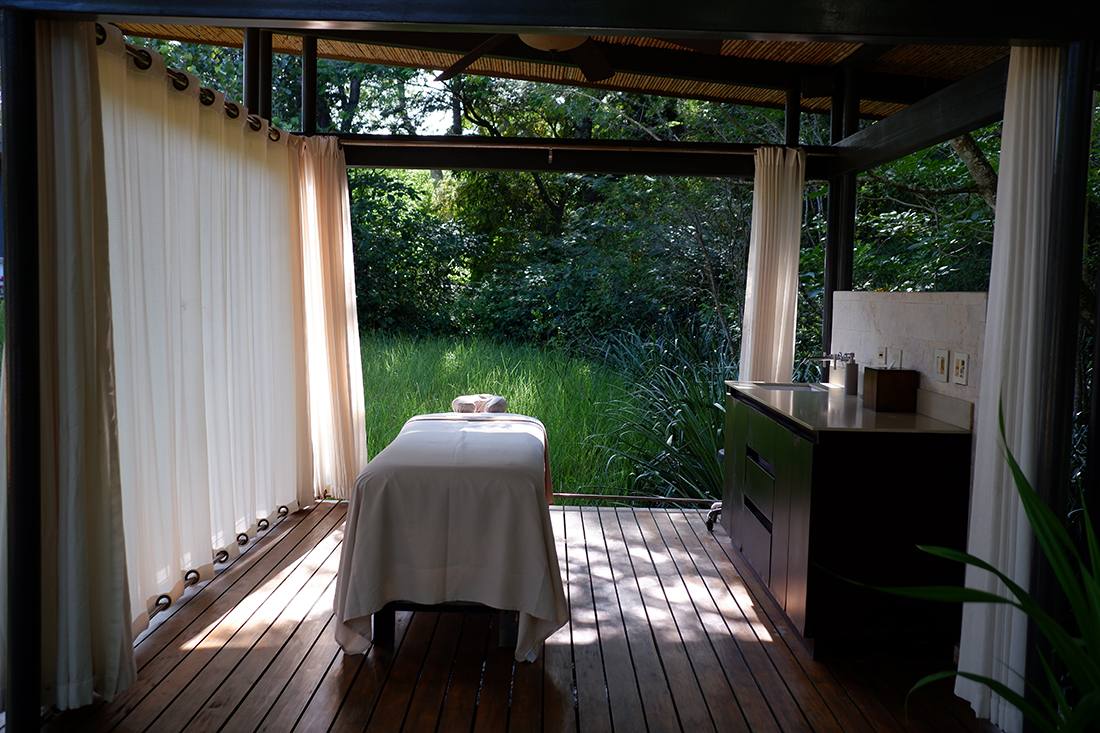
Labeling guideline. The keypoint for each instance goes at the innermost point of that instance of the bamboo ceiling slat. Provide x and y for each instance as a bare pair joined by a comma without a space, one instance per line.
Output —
937,62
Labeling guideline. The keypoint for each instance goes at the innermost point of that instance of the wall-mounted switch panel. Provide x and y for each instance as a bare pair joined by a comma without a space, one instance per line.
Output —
880,356
893,358
961,370
939,365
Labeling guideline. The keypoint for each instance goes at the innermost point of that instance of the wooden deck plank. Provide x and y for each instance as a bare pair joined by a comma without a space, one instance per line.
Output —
390,704
558,711
200,676
622,683
690,704
256,560
593,711
496,683
359,677
718,696
669,626
526,707
426,705
252,663
188,652
657,703
460,702
926,702
786,680
743,682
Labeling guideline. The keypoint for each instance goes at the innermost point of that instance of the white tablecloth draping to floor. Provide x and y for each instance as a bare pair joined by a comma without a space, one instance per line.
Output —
454,509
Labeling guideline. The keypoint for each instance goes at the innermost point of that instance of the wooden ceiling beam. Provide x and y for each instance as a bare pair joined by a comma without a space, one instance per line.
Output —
970,103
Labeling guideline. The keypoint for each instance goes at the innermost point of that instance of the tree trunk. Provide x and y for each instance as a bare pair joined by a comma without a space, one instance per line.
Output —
980,170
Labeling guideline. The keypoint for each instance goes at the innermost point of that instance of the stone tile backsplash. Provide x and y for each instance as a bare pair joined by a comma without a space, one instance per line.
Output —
918,324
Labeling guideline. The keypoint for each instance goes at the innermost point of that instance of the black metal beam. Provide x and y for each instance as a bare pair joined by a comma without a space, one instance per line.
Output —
562,156
20,171
309,85
874,21
1061,314
970,103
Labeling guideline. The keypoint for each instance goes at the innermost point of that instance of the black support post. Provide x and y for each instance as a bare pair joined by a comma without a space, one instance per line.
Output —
263,76
834,226
1060,322
309,85
24,595
250,75
793,116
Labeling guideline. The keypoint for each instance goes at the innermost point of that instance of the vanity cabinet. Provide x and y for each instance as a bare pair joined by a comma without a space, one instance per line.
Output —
817,490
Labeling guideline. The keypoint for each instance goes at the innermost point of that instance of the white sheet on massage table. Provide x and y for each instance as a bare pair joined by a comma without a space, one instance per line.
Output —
454,509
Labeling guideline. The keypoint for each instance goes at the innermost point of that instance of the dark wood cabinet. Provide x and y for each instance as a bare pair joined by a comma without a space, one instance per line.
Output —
812,510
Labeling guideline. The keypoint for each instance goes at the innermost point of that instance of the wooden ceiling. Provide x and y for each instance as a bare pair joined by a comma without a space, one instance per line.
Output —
748,72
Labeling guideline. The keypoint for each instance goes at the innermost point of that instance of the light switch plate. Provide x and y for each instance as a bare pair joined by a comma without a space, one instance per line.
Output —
961,370
939,365
893,358
880,356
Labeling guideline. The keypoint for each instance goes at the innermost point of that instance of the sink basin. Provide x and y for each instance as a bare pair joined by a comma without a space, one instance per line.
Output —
792,386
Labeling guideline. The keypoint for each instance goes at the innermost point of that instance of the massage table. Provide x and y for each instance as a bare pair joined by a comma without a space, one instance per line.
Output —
455,509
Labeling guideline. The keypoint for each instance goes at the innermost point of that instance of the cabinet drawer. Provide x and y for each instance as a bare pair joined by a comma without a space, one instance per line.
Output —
760,488
760,435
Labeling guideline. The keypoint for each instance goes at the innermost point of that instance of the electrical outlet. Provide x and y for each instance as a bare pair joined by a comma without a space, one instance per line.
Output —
961,371
939,365
880,356
893,358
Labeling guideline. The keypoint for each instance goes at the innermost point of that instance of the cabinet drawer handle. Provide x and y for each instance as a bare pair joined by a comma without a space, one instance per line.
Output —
758,514
759,460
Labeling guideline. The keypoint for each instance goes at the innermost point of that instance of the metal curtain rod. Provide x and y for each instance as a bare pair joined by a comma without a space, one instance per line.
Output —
180,81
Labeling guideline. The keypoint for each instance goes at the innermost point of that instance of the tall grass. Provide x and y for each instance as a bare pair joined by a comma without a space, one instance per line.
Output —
667,430
407,376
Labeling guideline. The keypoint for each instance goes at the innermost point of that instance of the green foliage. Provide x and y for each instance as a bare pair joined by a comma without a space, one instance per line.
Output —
667,431
406,376
408,265
1076,648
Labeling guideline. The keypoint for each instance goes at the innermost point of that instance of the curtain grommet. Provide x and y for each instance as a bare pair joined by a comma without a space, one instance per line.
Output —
283,511
242,539
222,556
263,525
191,577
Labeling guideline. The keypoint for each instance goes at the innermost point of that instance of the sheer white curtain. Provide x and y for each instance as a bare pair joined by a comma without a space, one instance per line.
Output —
202,251
994,637
86,642
334,369
771,284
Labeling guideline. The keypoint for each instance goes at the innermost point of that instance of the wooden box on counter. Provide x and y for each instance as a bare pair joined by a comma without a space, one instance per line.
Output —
890,390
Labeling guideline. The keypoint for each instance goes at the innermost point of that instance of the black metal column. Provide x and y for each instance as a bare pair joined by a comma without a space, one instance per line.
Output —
24,598
840,224
263,79
793,117
1060,323
250,74
309,85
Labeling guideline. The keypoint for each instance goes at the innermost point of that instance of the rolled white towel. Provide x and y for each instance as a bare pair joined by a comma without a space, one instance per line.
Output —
479,403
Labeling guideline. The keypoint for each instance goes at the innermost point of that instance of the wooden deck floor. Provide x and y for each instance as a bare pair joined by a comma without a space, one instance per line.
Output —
669,632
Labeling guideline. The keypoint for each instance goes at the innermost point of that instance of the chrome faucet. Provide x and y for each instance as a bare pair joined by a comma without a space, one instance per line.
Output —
839,357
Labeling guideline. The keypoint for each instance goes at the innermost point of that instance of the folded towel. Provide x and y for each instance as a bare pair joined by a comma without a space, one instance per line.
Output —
479,403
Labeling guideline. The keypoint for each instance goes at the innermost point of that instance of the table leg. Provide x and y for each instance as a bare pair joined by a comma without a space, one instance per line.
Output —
384,620
509,628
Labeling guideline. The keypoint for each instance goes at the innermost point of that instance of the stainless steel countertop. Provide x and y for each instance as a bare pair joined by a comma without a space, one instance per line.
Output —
825,407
